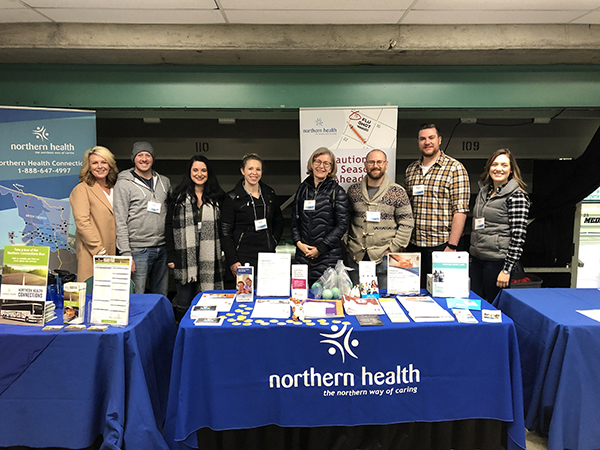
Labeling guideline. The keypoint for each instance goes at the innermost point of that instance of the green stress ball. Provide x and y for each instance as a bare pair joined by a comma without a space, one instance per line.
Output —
335,293
327,293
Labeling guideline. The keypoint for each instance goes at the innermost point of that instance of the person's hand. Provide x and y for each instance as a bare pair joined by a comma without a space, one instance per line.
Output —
312,252
448,249
397,260
503,279
132,266
171,265
234,267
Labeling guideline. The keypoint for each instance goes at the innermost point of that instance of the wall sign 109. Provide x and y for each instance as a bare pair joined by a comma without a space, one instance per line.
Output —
202,147
470,146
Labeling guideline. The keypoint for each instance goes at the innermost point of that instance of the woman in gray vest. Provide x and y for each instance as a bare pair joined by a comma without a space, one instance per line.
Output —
499,225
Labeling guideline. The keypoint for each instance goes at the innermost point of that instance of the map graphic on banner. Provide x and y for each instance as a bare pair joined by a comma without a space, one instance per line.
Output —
40,158
350,133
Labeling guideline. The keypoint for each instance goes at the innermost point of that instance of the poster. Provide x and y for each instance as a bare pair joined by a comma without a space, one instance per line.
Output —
40,159
350,133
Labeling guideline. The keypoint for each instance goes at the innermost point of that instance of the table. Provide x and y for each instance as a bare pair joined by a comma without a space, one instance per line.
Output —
560,365
64,389
340,374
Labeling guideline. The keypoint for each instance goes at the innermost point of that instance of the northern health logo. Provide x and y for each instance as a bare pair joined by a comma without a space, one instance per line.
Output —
41,133
341,341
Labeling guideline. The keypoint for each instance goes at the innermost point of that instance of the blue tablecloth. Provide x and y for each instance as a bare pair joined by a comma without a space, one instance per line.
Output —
560,364
63,389
339,373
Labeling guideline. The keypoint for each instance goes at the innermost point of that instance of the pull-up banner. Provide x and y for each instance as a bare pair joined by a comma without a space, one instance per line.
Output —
40,159
350,133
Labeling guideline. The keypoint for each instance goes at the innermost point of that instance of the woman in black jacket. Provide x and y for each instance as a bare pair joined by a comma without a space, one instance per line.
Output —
251,218
320,216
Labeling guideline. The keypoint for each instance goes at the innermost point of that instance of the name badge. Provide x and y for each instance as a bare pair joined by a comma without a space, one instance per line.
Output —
309,205
260,224
154,207
199,227
418,189
479,224
373,216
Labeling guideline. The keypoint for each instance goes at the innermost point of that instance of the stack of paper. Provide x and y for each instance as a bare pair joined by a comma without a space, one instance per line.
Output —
354,305
425,309
393,310
223,302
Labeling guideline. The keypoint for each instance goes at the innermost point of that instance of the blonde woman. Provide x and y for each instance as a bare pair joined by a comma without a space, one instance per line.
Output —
91,204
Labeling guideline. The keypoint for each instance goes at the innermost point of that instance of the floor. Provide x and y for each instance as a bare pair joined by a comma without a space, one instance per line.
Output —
535,441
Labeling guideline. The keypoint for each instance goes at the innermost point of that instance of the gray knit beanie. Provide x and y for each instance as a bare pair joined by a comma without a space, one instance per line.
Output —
142,146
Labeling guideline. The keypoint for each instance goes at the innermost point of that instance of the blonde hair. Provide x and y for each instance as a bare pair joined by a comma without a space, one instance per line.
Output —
85,174
250,156
318,152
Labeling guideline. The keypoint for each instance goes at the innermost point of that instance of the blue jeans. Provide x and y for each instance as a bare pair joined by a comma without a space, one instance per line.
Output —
150,265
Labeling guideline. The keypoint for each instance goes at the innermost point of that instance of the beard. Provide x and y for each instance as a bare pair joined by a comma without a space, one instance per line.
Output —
378,176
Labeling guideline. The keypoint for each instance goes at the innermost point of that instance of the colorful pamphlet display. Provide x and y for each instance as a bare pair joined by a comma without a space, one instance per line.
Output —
110,297
369,288
23,291
300,281
404,273
450,274
74,303
245,284
274,275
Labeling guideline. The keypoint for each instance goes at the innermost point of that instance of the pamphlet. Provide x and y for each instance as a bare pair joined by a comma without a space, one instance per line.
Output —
110,296
74,304
300,281
245,284
98,328
404,273
425,309
464,315
221,301
274,275
23,290
491,316
393,310
368,320
322,309
209,321
369,288
355,305
463,303
278,308
203,311
450,274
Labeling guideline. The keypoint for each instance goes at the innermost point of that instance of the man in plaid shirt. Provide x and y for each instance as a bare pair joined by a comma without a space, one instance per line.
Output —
439,192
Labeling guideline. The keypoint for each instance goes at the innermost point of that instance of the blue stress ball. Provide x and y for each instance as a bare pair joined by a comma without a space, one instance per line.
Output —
315,287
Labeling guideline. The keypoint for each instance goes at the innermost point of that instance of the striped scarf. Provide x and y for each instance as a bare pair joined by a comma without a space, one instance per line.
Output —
202,261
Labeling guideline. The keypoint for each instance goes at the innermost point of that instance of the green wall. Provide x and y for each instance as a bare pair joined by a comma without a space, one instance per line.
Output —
293,87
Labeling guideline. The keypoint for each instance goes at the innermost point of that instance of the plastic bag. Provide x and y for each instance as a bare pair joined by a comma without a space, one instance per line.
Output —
324,286
344,283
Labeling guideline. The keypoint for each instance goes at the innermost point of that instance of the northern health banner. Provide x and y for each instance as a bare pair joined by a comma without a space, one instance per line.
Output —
350,133
40,158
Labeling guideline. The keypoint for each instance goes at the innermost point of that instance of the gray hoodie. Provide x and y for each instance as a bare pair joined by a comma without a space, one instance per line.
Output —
136,226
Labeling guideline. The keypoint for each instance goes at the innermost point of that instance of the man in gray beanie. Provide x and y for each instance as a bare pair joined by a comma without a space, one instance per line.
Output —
140,207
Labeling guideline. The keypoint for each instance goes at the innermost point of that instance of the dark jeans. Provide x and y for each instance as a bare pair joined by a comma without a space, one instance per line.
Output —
483,278
425,259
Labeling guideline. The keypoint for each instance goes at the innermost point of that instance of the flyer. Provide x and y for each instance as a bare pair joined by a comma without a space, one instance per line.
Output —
244,283
110,296
274,274
404,273
450,274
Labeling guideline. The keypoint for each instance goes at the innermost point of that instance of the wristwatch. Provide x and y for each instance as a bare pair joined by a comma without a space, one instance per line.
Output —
451,246
506,272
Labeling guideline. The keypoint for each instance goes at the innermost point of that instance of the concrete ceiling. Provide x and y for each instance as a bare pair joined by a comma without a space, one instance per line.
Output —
310,32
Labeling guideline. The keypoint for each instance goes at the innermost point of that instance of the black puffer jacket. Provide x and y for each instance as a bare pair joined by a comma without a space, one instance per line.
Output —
323,227
240,240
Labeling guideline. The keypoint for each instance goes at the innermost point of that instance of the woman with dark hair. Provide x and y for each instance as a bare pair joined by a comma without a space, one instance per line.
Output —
92,207
320,216
499,225
252,220
192,233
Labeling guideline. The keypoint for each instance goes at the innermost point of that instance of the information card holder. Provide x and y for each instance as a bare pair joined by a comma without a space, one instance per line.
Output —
110,297
404,273
273,275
